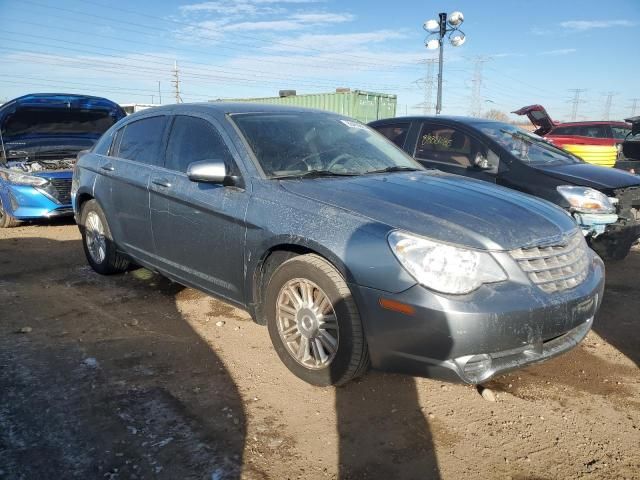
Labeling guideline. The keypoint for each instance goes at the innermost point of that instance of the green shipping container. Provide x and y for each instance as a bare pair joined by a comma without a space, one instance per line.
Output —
358,104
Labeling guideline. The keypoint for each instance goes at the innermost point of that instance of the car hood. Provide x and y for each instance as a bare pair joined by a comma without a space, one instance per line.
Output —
32,119
444,207
539,117
588,175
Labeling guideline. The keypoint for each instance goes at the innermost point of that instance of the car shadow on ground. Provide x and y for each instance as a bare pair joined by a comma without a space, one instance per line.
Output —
371,444
101,377
622,301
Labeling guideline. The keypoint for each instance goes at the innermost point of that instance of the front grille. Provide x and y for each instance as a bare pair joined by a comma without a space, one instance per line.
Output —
558,267
61,190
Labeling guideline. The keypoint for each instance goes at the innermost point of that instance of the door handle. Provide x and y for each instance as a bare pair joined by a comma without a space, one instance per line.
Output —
108,167
162,182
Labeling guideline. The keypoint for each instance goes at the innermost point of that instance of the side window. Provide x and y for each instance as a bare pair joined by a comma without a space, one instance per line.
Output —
396,132
563,131
193,139
593,131
142,140
446,144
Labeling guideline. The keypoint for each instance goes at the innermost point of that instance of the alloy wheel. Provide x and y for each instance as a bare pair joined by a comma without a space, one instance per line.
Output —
94,237
307,323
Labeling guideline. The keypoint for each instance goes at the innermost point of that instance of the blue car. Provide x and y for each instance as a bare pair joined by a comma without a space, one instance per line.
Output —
40,136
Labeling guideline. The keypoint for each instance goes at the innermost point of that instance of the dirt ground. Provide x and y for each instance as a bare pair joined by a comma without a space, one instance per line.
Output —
132,376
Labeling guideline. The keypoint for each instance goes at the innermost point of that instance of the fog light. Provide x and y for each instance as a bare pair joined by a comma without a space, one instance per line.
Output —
476,368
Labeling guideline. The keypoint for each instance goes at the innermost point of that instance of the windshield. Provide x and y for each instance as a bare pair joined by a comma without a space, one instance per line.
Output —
526,146
302,143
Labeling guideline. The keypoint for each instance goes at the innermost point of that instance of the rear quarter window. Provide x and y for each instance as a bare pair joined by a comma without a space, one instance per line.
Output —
103,145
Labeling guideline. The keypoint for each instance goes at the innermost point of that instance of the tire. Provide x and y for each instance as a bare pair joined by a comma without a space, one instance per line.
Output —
6,220
98,244
339,319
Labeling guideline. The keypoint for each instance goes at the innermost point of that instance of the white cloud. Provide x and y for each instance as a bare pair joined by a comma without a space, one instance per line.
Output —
560,51
583,25
240,7
335,42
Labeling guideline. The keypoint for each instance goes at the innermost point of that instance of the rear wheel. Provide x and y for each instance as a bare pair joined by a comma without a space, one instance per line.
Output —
314,323
6,220
99,247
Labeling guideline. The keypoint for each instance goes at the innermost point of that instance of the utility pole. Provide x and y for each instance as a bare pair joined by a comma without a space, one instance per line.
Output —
607,105
176,82
159,93
575,102
476,90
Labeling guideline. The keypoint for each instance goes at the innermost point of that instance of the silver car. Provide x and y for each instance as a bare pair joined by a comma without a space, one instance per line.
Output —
349,251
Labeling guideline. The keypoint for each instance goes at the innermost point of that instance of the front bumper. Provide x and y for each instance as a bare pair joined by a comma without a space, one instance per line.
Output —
474,337
25,202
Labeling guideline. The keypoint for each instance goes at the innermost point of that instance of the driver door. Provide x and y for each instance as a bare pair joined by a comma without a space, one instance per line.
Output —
199,228
452,150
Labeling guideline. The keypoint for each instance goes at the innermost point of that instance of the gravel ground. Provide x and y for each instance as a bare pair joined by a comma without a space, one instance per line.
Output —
132,376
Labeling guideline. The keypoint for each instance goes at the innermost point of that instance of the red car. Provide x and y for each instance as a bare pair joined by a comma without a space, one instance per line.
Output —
595,142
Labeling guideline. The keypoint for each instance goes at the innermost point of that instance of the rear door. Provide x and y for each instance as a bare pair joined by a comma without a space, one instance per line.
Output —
451,149
199,228
137,150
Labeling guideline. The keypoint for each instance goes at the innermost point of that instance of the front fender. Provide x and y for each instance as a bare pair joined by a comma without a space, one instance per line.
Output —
356,246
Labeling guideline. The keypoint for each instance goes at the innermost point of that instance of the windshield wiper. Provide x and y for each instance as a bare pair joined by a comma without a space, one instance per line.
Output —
395,168
315,173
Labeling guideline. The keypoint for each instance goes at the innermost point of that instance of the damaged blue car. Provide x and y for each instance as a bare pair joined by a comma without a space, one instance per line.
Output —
40,136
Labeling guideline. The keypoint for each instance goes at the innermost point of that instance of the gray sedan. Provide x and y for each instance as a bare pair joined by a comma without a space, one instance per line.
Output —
349,251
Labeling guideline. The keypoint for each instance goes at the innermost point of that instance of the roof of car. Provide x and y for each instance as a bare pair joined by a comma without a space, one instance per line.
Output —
446,118
591,122
229,107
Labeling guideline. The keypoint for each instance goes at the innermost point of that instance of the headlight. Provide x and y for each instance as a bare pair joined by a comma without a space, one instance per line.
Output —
443,267
18,178
586,200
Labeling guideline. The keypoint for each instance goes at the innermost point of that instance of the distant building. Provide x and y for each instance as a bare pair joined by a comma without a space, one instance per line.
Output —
359,104
130,108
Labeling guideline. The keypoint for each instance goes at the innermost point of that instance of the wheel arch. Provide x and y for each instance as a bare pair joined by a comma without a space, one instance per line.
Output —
274,254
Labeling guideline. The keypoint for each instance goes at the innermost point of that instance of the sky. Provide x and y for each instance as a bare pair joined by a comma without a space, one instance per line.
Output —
516,53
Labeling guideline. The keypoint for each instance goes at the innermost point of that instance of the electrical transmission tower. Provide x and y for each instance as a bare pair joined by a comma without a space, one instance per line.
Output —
176,82
476,88
427,83
634,106
607,105
575,101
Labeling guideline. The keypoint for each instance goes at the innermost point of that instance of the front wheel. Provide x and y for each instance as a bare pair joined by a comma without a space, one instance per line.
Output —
314,323
6,220
99,247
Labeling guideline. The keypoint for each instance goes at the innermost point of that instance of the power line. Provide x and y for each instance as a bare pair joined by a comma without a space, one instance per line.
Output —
329,84
119,22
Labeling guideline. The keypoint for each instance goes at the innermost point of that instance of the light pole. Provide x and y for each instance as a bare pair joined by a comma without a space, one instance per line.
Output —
438,29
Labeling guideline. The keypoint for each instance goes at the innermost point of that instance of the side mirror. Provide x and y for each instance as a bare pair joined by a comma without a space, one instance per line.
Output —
208,171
